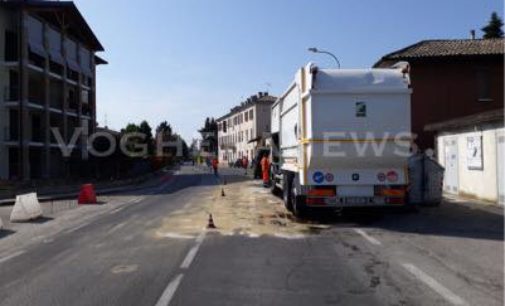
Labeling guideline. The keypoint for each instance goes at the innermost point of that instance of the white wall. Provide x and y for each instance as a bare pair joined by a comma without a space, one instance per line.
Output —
477,183
259,124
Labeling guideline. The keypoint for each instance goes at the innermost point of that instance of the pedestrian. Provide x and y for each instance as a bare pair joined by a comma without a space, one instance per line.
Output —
215,163
245,163
256,168
207,161
265,169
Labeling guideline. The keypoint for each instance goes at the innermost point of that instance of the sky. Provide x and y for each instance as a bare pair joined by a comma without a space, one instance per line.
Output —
185,60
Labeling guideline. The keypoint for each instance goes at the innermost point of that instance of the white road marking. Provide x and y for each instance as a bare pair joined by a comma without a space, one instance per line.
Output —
289,236
169,292
116,227
433,284
175,235
76,228
192,252
200,238
8,257
369,238
189,257
48,240
117,210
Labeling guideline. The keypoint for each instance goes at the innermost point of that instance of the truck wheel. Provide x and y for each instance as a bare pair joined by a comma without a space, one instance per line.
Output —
286,191
297,203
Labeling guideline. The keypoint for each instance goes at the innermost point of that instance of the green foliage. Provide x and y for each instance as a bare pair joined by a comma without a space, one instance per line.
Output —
163,130
130,128
209,135
494,28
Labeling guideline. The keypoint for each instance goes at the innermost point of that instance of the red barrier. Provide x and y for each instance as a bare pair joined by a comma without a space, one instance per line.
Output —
87,194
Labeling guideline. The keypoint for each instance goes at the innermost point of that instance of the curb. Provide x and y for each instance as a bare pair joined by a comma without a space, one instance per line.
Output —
103,191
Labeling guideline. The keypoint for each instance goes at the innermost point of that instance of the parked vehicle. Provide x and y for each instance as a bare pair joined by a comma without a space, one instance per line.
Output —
341,138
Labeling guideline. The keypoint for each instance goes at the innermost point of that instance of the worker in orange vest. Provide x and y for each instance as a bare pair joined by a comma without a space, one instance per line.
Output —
215,162
265,169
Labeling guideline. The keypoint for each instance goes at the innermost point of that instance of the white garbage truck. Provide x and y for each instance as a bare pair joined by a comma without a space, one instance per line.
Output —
342,138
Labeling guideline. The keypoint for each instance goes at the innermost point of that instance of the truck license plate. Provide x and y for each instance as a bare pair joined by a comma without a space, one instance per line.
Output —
356,200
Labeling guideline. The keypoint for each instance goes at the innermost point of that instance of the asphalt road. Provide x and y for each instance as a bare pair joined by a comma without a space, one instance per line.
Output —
155,250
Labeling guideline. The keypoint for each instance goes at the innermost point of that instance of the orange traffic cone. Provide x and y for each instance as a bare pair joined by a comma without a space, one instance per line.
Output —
211,222
87,194
222,192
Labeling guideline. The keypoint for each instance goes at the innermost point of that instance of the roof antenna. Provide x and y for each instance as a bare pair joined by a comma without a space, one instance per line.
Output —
472,34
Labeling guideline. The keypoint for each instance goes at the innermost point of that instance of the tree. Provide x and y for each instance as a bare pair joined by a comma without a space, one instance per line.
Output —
164,133
494,27
209,135
146,129
164,128
130,128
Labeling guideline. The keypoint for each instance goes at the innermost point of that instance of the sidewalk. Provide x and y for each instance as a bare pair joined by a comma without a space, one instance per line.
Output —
49,193
474,204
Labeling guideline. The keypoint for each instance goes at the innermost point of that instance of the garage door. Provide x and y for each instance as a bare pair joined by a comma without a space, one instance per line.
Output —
501,168
451,166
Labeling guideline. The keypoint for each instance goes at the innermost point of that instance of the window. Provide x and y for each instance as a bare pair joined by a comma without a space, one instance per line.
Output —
251,114
12,94
11,46
246,116
224,126
484,85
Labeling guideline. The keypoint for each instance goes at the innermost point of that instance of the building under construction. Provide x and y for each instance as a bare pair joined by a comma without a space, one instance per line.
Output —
47,80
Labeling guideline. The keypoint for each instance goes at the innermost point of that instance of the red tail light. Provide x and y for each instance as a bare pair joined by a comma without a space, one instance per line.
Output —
315,201
390,191
322,192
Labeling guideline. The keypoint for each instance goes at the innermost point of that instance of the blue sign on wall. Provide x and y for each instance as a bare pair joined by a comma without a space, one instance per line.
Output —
318,177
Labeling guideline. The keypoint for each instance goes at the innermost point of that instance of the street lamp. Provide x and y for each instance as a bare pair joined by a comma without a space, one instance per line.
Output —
315,50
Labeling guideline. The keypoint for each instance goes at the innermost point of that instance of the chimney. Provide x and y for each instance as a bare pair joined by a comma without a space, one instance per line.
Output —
265,94
472,34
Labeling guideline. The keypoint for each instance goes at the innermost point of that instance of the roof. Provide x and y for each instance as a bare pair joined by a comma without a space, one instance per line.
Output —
448,48
100,61
107,130
493,116
265,98
77,25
